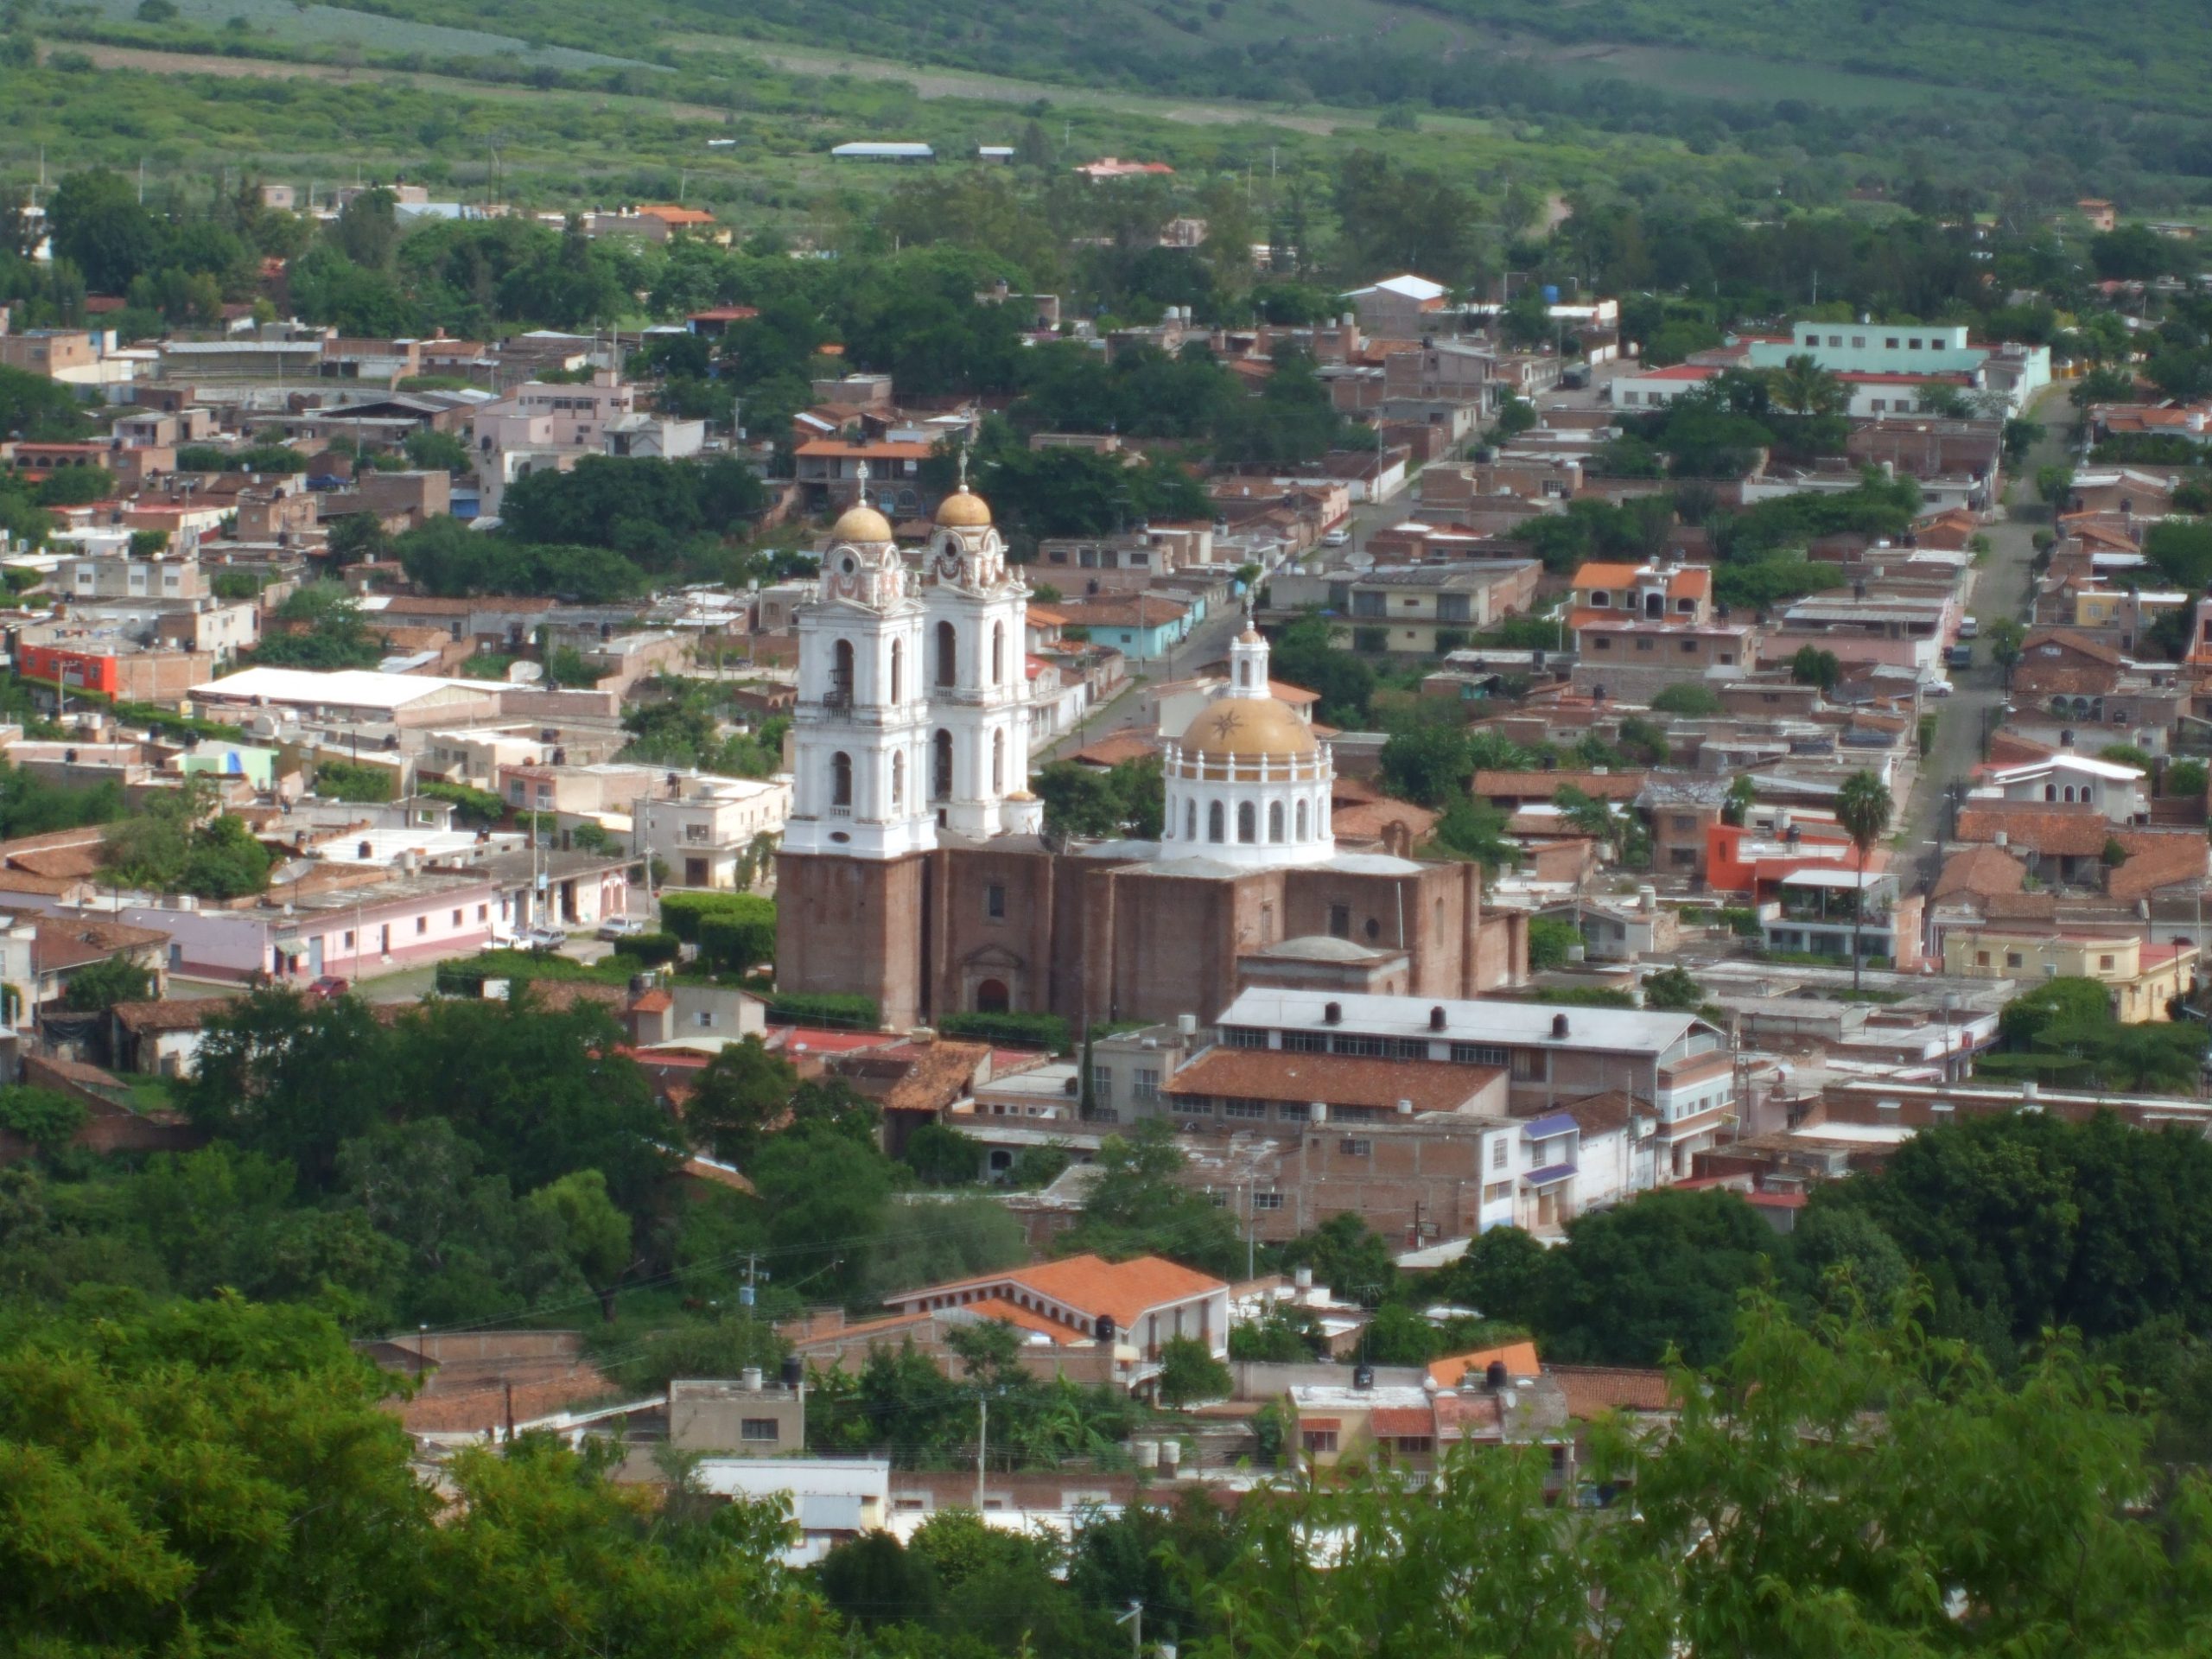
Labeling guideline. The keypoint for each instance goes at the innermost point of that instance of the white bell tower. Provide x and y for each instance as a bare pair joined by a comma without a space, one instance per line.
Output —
976,651
859,738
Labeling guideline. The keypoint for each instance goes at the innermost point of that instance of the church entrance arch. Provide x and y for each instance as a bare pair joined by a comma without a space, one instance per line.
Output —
991,996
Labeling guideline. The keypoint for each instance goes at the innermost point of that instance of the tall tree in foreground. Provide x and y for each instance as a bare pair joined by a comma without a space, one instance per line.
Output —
1855,1488
1863,808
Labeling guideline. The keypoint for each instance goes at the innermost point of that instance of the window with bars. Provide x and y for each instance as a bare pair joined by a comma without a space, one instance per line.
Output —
1479,1054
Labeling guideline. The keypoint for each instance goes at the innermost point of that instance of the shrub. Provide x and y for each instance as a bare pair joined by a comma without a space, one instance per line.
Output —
474,806
734,941
821,1008
681,913
341,780
653,949
1046,1031
1691,697
44,1118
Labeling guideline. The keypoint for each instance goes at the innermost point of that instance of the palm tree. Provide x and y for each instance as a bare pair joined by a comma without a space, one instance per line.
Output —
1803,387
1863,808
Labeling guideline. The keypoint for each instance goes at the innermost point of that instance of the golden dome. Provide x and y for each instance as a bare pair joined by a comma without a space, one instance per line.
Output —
1246,726
963,510
861,524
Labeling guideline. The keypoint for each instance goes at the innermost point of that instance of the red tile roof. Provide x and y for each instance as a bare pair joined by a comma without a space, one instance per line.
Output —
1123,1291
1590,1389
1334,1079
1520,1358
2059,831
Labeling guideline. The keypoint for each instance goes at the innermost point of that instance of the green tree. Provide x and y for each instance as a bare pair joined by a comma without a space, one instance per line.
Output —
1813,666
743,1093
100,985
1549,941
1633,1280
1135,1206
1803,387
1189,1373
1863,807
1428,765
1691,698
581,1222
46,1118
2006,638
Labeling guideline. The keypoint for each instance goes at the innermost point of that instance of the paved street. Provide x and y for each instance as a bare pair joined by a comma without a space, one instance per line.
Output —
2000,590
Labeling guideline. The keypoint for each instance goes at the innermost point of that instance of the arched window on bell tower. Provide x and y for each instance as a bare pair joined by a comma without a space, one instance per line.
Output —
898,783
1215,821
948,654
941,765
841,673
1190,820
841,779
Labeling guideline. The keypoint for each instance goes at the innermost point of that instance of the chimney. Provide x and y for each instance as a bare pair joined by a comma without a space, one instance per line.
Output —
1436,1018
1333,1014
1559,1026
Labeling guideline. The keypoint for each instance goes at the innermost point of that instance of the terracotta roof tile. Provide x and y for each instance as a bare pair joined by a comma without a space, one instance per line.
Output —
1402,1421
185,1013
1123,1291
1981,871
2059,831
2156,859
1590,1389
1520,1358
1542,786
1335,1079
73,941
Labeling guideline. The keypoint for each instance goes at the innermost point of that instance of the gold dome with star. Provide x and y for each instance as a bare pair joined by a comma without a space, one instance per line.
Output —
1241,727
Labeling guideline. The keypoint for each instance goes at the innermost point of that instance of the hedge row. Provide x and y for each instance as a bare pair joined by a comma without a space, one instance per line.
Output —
682,913
1045,1031
845,1012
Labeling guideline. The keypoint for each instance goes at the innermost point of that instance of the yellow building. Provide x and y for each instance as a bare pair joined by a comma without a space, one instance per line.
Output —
2141,978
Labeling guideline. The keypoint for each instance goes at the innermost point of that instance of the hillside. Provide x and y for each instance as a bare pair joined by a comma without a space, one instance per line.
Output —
1376,49
2006,101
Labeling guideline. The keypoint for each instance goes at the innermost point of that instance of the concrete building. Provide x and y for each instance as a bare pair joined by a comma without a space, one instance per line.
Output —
705,833
1676,1065
2142,978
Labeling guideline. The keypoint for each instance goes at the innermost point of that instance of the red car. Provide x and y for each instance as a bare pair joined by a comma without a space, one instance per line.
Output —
330,985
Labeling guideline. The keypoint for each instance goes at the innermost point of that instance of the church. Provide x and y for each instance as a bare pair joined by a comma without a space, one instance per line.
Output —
915,869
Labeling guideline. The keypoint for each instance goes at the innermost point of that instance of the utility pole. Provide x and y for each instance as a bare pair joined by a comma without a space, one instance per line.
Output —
753,1276
1135,1620
983,1436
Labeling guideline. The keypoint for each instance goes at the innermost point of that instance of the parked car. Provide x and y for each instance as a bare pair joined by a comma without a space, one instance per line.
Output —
1936,688
622,927
329,987
1959,657
1969,629
546,939
1337,538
